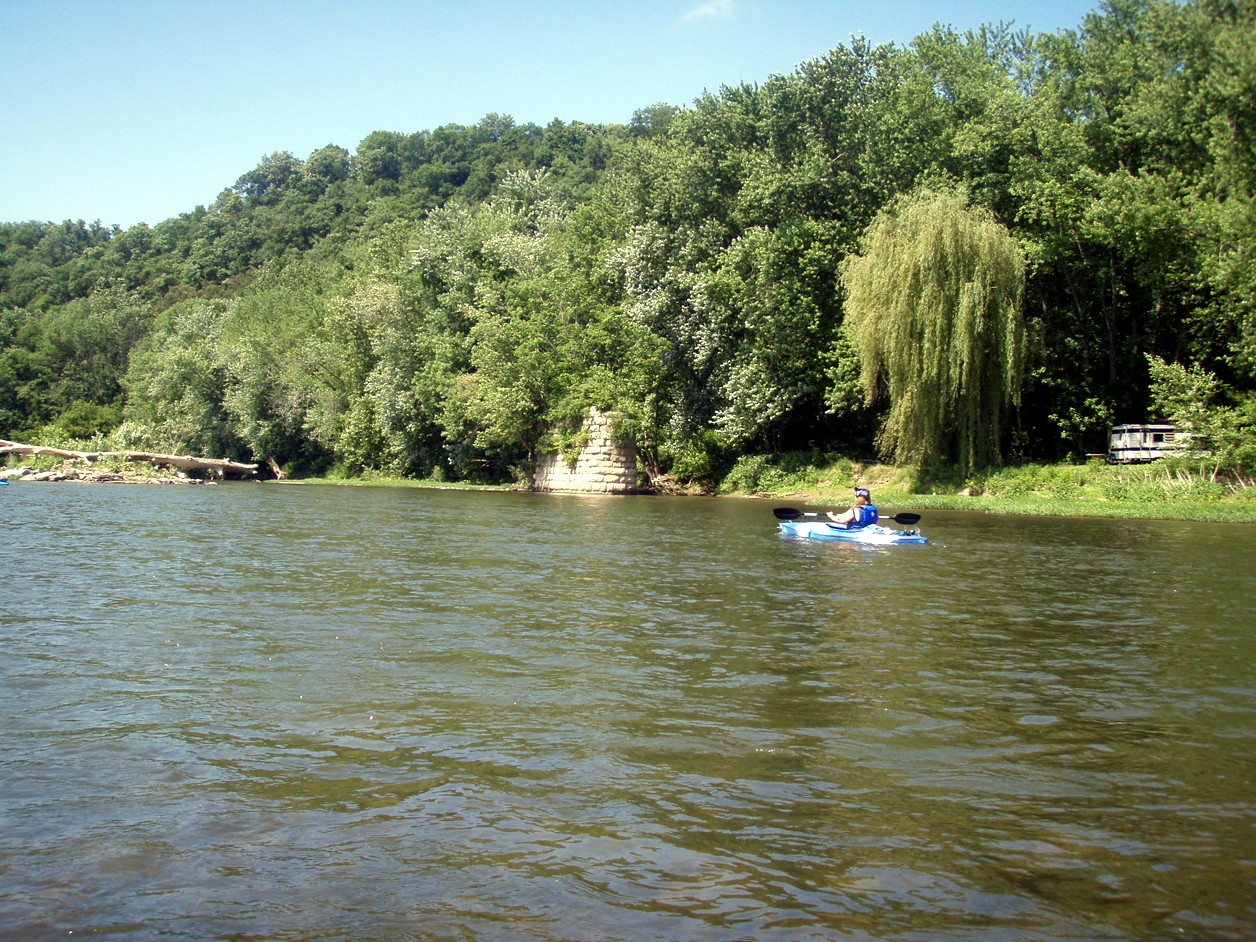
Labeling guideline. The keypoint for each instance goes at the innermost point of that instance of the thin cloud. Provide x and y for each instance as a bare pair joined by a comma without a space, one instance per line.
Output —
712,10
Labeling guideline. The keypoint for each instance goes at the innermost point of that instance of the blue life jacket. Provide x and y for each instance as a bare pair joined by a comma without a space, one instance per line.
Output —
865,516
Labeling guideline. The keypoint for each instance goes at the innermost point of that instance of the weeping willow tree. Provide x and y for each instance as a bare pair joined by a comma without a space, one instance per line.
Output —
934,304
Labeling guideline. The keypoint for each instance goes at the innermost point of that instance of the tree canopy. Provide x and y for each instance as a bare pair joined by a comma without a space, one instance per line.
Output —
934,304
731,277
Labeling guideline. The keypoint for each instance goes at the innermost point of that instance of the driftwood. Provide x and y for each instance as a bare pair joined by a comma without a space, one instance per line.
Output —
219,466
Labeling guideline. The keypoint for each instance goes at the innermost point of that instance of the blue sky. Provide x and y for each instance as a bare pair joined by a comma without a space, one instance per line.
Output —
133,111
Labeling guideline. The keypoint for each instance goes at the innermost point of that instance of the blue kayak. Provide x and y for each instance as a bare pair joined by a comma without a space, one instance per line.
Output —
875,534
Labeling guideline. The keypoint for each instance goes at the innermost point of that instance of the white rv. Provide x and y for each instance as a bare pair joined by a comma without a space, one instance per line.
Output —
1131,444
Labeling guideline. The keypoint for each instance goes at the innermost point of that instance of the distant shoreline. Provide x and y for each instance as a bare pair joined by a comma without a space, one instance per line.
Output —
1220,511
892,491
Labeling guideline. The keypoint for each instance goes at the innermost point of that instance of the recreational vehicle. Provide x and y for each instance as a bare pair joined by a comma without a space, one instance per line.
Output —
1131,444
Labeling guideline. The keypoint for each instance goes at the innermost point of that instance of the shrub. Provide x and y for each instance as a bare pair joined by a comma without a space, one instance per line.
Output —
748,474
85,419
701,460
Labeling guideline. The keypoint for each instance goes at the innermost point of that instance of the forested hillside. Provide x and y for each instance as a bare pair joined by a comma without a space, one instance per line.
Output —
1033,236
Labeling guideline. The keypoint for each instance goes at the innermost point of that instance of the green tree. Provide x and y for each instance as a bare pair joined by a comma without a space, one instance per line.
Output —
652,120
24,376
70,358
394,359
523,319
176,384
1193,399
1130,200
1223,211
934,304
731,225
273,350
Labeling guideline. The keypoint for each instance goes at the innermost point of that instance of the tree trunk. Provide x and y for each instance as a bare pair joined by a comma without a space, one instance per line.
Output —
219,466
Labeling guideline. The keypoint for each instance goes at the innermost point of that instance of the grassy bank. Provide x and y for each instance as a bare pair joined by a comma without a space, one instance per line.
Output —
1160,491
1094,489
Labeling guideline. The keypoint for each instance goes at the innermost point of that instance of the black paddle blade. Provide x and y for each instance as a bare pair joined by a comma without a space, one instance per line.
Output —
789,513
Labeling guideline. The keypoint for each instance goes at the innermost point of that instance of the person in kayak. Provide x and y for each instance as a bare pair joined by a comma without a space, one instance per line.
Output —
862,514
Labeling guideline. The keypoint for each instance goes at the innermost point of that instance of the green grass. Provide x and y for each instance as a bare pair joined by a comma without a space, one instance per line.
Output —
1153,492
1160,491
1163,490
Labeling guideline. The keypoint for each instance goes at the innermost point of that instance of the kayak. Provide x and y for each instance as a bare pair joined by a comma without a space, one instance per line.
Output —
875,534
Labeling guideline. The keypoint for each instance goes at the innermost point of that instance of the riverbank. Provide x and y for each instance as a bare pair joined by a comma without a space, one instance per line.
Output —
1160,491
1044,491
69,473
893,501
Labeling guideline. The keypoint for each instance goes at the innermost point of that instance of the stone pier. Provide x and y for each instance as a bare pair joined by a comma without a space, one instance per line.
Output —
604,467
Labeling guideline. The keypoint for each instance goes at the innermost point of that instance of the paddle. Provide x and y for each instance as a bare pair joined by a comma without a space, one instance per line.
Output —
788,513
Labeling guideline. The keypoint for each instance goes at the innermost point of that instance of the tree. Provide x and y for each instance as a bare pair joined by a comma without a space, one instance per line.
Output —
267,181
652,120
1191,398
934,303
327,165
176,384
278,385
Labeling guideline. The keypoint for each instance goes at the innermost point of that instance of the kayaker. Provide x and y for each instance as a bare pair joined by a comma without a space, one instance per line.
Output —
862,514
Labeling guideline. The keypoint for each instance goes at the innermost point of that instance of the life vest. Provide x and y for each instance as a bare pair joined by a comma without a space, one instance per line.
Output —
865,516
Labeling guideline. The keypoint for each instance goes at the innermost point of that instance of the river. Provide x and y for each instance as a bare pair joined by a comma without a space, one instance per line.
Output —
247,712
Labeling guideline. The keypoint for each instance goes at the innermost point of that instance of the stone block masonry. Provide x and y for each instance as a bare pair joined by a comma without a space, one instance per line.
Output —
604,467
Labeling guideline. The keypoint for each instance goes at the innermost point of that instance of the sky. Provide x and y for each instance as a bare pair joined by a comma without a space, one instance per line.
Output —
129,111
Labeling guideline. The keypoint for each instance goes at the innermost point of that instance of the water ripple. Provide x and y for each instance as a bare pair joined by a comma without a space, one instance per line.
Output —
319,713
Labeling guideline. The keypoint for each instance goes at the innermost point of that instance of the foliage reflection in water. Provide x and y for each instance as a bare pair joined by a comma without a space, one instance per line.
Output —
321,713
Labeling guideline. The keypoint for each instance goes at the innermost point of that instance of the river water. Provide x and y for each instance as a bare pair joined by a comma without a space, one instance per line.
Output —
249,712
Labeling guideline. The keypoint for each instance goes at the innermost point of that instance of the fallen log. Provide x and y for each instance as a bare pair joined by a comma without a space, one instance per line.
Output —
220,466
